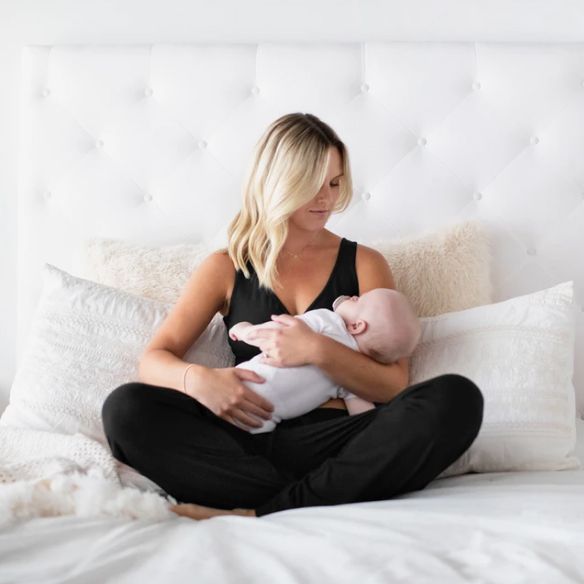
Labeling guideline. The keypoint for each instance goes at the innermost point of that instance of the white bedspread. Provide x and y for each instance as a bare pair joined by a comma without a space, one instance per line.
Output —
495,527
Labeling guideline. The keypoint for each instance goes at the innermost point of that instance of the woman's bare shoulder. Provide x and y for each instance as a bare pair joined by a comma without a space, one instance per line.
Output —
222,253
222,262
373,269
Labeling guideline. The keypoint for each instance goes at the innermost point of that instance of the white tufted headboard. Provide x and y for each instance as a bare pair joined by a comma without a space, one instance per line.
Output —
149,144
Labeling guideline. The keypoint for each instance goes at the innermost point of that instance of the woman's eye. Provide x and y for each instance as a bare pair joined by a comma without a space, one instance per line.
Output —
335,185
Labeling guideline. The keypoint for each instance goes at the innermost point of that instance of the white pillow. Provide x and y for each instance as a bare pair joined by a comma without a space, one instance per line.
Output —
520,353
86,340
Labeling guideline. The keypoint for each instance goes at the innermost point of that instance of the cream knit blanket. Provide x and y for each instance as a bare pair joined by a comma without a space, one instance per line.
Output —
47,473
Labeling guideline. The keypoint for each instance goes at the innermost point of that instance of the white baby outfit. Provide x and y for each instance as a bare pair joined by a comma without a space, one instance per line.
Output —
297,390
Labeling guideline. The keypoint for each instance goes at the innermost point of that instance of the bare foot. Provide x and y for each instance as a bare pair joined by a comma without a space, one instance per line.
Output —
201,512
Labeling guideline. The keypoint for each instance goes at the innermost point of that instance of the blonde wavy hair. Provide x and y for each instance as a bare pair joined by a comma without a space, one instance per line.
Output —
288,167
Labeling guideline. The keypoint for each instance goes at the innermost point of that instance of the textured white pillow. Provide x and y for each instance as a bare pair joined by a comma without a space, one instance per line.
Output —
439,272
86,339
520,353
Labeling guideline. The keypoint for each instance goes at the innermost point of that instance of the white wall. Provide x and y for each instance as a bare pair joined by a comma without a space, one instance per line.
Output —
48,22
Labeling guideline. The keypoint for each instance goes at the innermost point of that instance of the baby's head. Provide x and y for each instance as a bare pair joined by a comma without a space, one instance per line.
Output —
382,322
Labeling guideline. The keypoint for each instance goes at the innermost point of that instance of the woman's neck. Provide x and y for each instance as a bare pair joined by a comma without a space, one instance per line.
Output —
298,242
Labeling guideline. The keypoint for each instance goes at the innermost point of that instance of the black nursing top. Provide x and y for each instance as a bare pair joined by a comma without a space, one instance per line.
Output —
253,304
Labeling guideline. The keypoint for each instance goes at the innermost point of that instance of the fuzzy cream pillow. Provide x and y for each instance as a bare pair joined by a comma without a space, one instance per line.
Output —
156,272
439,272
442,271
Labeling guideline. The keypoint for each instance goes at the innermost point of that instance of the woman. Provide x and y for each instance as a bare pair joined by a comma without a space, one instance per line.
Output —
186,426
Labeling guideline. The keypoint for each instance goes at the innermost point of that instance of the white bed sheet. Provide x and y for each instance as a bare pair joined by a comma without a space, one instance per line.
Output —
493,527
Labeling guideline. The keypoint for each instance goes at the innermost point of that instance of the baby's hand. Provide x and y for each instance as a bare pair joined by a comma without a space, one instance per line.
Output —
237,331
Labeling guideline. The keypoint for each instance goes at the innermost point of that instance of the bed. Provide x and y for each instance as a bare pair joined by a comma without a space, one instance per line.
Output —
439,133
484,527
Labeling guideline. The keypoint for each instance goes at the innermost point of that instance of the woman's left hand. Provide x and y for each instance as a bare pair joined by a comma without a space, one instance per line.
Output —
291,345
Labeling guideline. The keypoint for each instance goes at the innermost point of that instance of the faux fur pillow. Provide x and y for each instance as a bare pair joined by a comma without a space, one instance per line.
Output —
438,272
442,271
153,272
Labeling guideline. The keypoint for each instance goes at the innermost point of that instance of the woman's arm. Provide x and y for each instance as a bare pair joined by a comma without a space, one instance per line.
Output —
223,391
161,362
358,373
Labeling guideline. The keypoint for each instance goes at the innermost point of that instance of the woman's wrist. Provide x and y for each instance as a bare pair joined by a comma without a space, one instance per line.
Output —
191,378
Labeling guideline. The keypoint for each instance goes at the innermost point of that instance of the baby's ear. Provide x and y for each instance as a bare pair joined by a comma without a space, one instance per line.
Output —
359,326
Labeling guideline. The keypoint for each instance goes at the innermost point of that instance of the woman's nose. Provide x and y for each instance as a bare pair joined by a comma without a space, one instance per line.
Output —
326,194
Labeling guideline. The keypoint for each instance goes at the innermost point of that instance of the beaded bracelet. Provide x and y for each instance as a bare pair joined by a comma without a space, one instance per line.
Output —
185,377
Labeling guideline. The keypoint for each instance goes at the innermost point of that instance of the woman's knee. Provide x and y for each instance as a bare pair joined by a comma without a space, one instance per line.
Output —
126,403
461,398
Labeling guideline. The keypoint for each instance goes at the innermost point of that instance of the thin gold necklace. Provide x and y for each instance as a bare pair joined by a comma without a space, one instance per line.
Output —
297,255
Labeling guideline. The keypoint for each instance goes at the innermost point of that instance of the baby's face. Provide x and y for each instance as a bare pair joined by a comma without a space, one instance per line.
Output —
350,308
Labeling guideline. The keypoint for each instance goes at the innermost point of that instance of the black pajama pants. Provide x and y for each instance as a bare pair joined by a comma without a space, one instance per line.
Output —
324,457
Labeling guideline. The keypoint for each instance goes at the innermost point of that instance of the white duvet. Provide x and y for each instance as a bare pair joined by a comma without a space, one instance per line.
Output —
493,527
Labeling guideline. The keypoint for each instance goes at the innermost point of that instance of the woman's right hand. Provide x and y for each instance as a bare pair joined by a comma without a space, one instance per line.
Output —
223,392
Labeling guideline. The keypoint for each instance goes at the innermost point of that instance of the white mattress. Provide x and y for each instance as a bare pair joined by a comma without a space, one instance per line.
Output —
494,527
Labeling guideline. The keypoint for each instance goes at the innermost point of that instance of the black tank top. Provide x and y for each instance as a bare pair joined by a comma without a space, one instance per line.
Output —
253,304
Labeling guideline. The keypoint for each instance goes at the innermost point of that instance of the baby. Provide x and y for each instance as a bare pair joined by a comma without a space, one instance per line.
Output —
380,323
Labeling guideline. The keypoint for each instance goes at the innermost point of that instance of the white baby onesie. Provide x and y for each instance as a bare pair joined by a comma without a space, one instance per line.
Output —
297,390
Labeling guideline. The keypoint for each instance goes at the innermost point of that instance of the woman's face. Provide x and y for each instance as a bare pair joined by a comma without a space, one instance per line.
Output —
314,215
